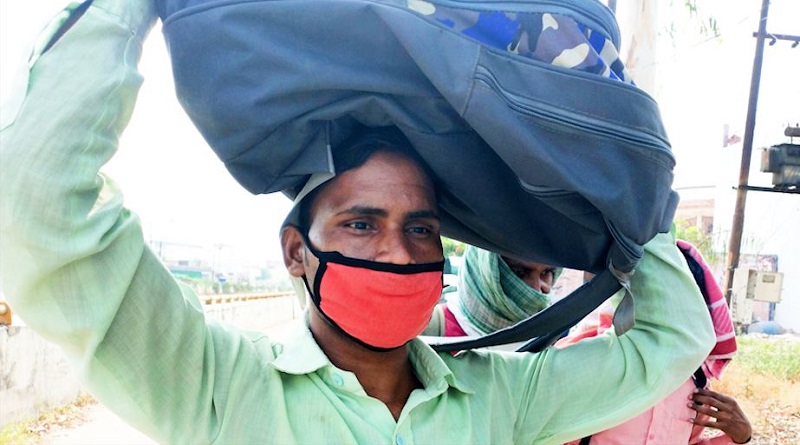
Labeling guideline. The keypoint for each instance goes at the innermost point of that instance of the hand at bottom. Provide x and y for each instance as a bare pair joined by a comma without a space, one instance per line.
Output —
721,412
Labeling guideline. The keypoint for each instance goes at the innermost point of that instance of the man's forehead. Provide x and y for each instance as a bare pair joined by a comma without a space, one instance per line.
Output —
526,264
394,173
386,186
420,203
383,168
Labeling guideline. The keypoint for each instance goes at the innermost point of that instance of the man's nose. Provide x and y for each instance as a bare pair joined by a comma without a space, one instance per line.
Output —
394,248
538,284
544,287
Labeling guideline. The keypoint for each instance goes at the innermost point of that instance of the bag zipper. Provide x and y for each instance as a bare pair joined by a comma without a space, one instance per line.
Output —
577,121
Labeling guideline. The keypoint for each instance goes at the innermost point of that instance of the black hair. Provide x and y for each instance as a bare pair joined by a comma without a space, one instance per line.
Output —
354,151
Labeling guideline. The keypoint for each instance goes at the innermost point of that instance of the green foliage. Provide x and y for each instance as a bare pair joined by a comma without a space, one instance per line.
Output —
707,25
704,242
772,357
695,18
452,247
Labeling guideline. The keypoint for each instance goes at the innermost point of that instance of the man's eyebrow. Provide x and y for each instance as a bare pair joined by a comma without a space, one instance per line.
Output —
419,214
517,265
363,210
375,211
521,267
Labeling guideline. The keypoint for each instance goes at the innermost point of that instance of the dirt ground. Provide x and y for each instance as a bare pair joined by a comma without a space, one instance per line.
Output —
772,405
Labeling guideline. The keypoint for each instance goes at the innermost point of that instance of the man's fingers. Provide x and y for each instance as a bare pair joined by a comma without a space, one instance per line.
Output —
704,409
716,413
703,421
717,403
708,394
721,397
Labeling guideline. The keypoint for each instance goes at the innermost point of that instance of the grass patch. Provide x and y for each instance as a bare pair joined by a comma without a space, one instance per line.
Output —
34,431
772,357
764,378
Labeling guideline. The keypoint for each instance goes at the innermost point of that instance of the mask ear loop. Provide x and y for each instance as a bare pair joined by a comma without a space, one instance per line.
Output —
322,266
313,295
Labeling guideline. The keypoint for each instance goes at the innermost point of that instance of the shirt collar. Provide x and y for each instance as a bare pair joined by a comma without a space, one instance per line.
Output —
431,370
301,354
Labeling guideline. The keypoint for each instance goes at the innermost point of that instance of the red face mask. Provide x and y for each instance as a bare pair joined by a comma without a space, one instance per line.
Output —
379,305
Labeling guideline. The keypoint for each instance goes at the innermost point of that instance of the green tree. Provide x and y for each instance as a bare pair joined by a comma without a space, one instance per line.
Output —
452,247
704,242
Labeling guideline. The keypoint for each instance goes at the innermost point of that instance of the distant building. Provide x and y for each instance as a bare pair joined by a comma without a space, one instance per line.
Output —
697,212
185,260
217,266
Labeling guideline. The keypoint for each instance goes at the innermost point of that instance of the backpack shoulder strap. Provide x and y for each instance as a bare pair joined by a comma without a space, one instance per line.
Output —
543,328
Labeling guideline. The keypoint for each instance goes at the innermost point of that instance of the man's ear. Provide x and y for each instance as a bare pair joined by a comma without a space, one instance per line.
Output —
293,245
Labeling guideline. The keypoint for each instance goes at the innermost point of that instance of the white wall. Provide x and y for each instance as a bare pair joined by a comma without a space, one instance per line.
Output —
34,375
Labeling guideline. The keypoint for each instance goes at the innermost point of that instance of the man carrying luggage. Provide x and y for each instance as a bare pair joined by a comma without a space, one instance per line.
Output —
76,268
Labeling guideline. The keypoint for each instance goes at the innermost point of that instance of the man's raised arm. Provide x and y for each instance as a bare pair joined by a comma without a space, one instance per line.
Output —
73,261
600,382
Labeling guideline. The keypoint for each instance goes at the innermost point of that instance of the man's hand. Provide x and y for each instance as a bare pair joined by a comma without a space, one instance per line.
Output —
722,412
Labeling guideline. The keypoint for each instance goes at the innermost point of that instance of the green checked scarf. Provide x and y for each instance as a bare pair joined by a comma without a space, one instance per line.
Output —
491,296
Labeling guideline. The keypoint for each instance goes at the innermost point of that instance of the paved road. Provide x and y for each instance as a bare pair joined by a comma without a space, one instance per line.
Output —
102,427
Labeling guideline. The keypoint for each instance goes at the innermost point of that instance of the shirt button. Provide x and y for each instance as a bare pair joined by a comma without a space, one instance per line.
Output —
337,380
398,440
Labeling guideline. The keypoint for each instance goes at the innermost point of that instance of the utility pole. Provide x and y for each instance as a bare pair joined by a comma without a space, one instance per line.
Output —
747,149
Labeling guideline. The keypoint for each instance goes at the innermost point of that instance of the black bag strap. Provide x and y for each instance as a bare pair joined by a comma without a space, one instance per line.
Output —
75,14
700,379
543,328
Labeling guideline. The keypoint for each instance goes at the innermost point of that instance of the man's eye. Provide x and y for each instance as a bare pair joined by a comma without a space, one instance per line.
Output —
520,272
419,230
358,225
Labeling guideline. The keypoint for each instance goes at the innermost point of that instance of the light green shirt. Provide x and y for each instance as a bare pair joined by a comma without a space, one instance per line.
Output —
75,267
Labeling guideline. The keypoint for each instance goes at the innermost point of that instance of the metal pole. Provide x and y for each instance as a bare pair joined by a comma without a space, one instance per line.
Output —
747,149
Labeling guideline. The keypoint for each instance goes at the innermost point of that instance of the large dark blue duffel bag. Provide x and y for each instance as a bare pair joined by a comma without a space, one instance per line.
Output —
542,146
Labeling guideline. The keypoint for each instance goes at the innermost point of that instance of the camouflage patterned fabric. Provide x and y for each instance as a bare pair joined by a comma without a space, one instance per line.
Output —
550,38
